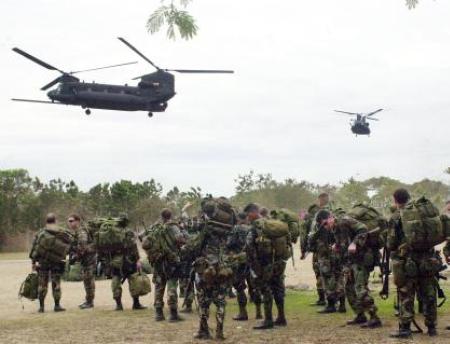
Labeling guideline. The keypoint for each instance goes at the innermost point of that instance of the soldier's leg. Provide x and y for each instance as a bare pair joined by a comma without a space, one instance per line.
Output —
364,300
279,290
172,299
263,284
329,284
88,274
319,285
204,298
406,294
429,299
219,294
350,293
43,279
340,289
159,280
56,290
116,287
255,295
240,287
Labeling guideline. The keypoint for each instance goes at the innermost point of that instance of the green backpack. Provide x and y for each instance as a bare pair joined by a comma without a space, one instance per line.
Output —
219,210
274,239
139,284
372,219
158,244
29,287
110,237
53,245
422,224
292,220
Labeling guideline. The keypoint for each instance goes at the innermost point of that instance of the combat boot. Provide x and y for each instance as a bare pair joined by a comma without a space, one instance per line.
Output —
404,331
86,305
41,306
281,318
159,314
58,307
258,311
174,317
242,316
119,306
342,308
203,331
360,319
187,309
219,332
374,322
321,301
432,331
330,308
137,305
268,319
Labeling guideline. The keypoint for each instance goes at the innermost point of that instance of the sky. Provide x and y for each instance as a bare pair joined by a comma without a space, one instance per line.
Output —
295,61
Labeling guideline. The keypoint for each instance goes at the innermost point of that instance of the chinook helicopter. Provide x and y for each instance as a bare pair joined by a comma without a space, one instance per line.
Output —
359,125
151,94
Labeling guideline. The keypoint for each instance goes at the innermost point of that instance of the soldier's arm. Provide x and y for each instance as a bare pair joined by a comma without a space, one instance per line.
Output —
33,253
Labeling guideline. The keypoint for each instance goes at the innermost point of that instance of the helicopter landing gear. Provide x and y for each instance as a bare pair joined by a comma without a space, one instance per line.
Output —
150,114
87,112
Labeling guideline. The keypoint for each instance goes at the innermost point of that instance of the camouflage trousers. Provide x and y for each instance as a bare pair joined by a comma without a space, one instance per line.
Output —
356,281
189,297
412,281
44,276
241,281
116,282
316,269
161,281
88,276
332,278
270,282
207,294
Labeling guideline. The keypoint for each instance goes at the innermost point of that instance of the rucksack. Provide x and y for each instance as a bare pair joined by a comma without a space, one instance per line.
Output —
29,288
219,210
158,244
292,220
372,219
273,239
110,237
139,284
53,245
445,219
422,225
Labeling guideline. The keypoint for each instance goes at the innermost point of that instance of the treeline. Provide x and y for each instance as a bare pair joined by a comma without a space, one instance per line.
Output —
25,200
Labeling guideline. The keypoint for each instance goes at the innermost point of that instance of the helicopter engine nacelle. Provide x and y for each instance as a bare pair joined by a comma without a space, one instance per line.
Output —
160,82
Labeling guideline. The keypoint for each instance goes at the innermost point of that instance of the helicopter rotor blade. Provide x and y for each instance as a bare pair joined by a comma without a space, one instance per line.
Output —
36,60
92,69
373,113
372,118
212,71
348,113
124,41
51,83
36,101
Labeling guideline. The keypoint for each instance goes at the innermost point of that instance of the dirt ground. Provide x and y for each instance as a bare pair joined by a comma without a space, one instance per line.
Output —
20,322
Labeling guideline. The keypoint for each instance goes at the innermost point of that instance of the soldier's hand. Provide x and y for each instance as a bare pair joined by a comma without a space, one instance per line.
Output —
352,248
335,248
447,259
303,256
139,265
34,266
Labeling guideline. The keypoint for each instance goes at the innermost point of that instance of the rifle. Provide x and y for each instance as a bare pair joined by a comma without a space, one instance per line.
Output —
189,287
385,272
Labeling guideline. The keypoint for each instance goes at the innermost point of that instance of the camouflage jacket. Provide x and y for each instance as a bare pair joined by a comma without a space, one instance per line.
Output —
347,231
237,238
307,226
34,256
83,247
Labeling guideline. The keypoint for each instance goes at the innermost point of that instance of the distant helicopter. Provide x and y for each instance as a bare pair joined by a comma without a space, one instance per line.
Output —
360,126
151,94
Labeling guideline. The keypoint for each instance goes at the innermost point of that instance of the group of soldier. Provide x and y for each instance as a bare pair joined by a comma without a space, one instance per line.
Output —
208,258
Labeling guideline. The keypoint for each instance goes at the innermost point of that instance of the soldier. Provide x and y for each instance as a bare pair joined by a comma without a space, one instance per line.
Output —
268,268
84,252
330,268
123,264
323,202
213,275
166,270
352,244
185,268
47,269
447,246
413,271
242,278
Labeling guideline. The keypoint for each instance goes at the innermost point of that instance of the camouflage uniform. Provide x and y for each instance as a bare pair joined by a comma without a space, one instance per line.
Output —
213,276
166,273
357,268
241,269
269,280
413,272
330,265
86,254
47,271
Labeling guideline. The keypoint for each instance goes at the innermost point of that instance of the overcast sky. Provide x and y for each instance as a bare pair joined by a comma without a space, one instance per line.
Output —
295,62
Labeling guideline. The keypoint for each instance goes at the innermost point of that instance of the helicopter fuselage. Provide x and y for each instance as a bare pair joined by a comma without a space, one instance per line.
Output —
151,94
360,127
